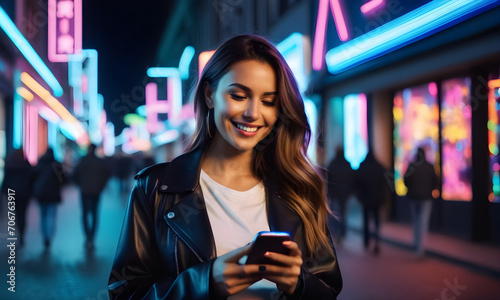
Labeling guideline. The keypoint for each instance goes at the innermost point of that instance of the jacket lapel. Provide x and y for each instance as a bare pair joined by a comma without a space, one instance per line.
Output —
188,216
281,216
189,220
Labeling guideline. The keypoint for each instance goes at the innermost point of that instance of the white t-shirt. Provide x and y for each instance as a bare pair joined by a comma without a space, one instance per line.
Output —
236,217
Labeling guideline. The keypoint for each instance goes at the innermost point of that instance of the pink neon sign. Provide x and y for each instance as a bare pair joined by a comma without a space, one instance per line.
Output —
321,23
64,29
371,5
31,134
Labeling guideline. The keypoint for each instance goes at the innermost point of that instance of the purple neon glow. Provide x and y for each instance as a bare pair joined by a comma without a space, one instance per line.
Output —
70,42
320,34
371,5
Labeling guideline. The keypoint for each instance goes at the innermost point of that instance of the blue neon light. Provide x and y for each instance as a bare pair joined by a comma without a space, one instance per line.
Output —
163,72
29,53
185,61
413,26
17,120
292,49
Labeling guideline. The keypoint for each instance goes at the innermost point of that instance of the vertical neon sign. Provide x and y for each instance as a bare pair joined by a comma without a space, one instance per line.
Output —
355,129
64,29
31,134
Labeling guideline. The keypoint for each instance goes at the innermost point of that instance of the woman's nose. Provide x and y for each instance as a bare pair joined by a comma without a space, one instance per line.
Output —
252,111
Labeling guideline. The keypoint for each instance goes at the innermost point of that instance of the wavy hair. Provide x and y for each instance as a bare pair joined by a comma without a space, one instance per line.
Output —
281,155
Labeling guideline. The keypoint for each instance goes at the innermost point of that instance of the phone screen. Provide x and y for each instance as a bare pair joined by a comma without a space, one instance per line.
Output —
267,241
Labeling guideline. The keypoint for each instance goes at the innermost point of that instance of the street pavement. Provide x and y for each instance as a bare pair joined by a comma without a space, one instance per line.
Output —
68,271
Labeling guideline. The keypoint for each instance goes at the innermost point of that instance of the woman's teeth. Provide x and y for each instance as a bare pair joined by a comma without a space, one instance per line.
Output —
247,129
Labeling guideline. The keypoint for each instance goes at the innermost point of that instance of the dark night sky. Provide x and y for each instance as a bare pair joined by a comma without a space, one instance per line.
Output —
126,35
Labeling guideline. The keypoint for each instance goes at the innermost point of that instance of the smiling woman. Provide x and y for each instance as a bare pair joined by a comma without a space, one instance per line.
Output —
190,221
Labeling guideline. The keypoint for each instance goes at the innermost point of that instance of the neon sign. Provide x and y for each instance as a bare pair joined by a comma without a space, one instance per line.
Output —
392,35
65,29
172,105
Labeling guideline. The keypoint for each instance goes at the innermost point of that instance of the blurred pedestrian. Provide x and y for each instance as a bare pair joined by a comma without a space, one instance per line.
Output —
47,190
421,180
370,186
18,181
91,175
340,186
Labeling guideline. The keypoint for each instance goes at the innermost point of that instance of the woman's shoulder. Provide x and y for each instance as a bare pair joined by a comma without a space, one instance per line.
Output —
155,170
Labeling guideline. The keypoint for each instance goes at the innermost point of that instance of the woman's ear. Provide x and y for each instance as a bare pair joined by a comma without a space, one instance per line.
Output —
208,95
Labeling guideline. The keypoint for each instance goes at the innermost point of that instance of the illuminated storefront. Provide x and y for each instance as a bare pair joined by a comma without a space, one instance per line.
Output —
429,72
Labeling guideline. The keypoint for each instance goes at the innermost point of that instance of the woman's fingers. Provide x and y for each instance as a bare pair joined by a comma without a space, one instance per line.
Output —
294,257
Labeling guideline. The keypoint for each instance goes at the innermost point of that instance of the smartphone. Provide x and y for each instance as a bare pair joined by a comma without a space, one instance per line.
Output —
265,241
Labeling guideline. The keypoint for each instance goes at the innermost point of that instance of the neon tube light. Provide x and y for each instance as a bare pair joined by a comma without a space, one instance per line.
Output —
49,115
292,48
75,80
185,61
23,92
371,5
17,114
29,53
163,72
108,142
31,134
406,29
495,83
46,96
321,24
174,98
56,106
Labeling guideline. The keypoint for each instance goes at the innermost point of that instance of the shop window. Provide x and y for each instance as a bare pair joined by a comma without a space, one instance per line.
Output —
493,137
456,114
416,124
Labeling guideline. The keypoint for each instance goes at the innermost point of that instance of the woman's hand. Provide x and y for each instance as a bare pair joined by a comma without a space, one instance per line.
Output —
230,277
287,275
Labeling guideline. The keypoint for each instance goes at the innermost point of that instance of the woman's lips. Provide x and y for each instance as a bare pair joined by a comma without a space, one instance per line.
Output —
246,130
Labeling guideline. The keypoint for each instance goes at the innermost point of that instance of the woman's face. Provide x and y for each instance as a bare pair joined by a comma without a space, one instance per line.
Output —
244,102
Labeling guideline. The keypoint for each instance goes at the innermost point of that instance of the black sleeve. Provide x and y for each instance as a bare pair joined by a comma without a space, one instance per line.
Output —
136,272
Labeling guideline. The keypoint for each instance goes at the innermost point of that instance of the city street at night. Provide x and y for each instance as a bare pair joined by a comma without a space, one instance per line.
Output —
250,120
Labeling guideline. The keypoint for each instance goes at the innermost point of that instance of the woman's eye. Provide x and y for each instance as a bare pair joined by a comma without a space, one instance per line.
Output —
237,97
268,103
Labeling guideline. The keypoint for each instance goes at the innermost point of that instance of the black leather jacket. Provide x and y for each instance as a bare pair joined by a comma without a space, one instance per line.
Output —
166,248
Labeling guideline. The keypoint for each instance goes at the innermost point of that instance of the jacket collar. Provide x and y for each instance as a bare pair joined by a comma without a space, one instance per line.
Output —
182,173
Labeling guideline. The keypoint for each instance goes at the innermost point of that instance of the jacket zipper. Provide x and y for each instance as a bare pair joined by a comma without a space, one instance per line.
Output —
189,246
176,257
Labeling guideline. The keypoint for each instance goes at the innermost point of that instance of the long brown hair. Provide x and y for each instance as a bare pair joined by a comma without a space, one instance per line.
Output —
282,154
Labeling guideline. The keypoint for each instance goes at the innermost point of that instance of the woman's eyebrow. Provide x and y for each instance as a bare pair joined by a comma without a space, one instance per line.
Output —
248,90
